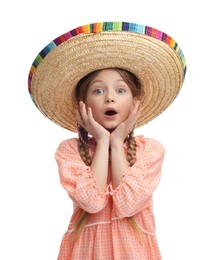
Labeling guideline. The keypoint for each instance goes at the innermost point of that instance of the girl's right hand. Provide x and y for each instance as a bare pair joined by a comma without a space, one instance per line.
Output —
87,121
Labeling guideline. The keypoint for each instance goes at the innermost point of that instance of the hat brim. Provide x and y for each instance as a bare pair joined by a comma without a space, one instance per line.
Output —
154,57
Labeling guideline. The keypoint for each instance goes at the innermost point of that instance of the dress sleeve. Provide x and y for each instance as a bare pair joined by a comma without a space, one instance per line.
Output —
77,178
139,181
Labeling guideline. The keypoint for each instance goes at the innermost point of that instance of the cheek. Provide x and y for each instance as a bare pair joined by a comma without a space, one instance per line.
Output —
96,114
92,104
89,102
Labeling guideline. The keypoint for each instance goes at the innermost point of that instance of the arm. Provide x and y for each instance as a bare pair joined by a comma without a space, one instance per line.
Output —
139,182
78,180
119,162
99,165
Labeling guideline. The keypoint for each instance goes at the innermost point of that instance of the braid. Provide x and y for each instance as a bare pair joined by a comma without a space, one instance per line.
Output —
83,147
131,158
131,154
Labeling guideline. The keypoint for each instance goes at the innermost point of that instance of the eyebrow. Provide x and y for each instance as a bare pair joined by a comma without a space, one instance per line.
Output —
98,80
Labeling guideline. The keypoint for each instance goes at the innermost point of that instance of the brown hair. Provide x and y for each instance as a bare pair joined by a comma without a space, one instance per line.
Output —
80,95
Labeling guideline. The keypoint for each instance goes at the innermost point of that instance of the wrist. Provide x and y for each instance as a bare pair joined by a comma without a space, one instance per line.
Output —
116,143
103,142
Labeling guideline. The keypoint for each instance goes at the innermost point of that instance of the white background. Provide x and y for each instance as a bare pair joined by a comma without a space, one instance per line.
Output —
35,210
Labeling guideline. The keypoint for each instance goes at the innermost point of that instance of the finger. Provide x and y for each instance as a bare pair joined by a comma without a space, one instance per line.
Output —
134,113
83,112
90,115
79,119
137,106
138,110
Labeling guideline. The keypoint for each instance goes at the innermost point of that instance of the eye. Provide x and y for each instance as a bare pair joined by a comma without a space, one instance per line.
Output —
99,91
120,91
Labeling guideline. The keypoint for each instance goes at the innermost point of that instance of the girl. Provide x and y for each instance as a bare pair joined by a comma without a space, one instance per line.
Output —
111,176
134,74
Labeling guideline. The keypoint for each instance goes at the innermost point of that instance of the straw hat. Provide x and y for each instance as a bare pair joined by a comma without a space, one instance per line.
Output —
153,56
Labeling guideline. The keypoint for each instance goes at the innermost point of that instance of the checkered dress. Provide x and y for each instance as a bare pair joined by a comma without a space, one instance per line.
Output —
107,234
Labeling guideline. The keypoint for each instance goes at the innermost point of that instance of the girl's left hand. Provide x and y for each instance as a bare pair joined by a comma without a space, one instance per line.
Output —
126,127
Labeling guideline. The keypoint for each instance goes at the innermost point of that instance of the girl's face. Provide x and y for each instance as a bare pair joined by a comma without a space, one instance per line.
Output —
110,99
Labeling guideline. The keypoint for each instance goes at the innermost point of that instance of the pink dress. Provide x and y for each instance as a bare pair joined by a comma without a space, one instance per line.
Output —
107,234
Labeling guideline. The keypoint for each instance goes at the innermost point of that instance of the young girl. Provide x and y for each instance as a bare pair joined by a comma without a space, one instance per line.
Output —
109,174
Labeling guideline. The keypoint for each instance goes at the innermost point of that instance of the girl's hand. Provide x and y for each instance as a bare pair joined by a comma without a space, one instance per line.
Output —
126,127
86,120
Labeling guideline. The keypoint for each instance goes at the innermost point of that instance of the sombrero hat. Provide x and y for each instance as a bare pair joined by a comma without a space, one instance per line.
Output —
153,56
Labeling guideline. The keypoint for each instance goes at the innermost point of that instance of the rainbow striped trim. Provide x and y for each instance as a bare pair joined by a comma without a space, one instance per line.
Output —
102,27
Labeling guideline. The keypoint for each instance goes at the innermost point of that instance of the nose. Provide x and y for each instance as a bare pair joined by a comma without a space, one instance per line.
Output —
110,100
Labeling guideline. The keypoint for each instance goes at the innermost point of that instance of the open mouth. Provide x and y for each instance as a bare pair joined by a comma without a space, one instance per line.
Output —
110,113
